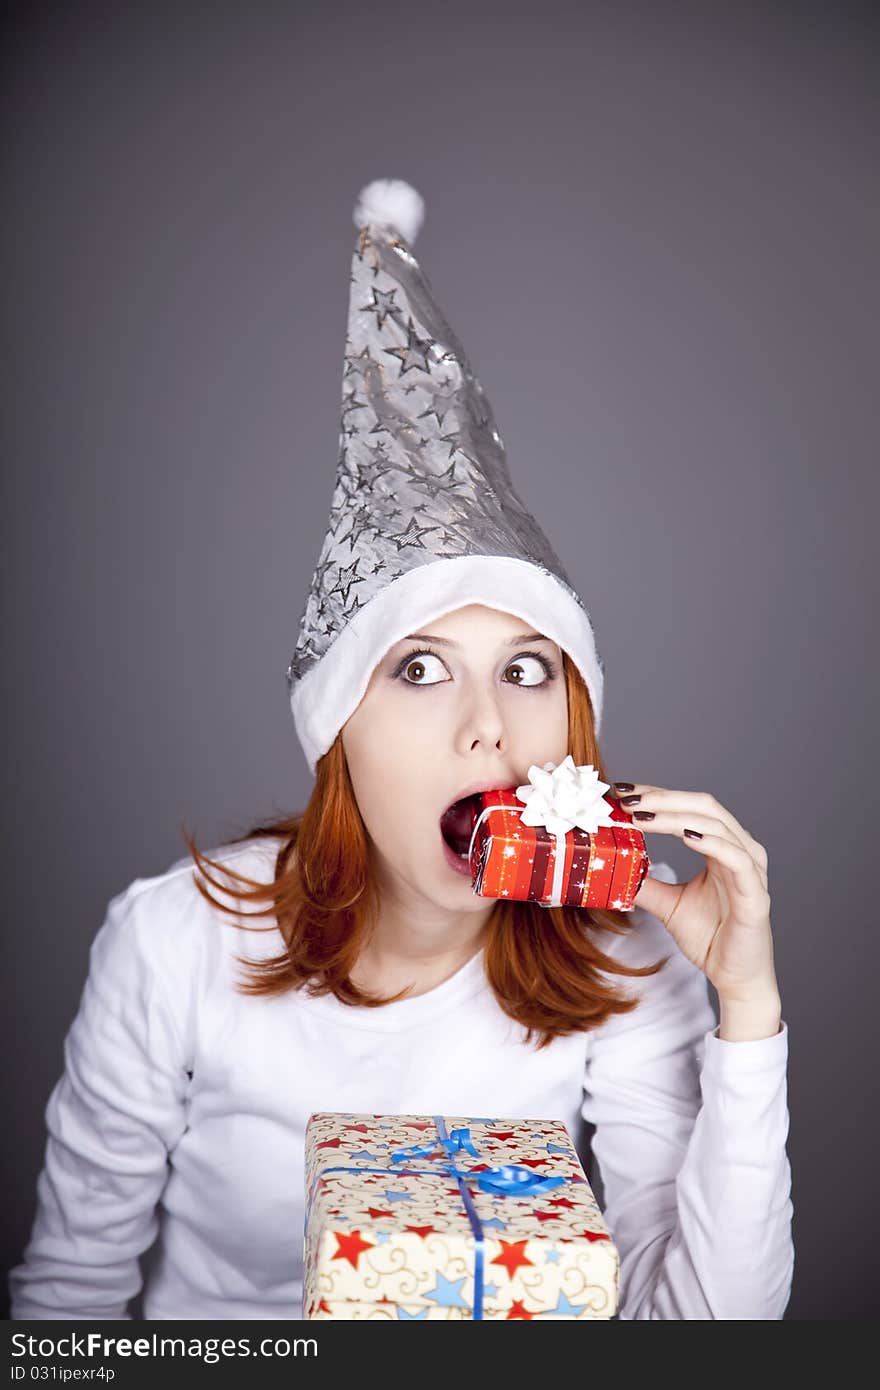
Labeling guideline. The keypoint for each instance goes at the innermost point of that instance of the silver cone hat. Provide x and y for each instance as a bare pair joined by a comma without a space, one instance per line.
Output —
424,516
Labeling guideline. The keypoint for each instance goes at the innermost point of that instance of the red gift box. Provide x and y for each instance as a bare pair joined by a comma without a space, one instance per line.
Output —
509,859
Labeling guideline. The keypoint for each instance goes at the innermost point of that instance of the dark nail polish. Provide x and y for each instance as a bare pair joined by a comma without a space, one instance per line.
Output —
643,815
694,834
630,800
624,786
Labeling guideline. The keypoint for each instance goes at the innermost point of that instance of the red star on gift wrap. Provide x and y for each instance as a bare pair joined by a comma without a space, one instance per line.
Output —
500,1134
374,1213
351,1247
534,1162
323,1306
418,1124
591,1235
329,1144
561,1202
423,1231
547,1215
513,1254
361,1129
519,1310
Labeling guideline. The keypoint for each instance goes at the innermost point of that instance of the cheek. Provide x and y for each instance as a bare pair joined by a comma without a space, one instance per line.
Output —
393,761
388,737
539,728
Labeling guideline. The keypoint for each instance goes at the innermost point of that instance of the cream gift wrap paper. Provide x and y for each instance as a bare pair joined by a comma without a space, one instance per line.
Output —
421,1216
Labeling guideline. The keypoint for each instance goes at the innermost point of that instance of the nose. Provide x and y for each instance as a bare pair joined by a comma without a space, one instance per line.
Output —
482,725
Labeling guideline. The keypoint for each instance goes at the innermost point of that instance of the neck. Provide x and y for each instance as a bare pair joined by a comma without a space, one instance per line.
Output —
417,943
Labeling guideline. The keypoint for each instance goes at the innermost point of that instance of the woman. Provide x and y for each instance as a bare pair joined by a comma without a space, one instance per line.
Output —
442,650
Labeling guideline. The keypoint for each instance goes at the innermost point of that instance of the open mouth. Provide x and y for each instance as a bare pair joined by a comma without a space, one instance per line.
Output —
457,823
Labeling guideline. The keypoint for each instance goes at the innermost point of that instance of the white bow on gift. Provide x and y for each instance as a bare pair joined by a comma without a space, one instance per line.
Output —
560,798
564,797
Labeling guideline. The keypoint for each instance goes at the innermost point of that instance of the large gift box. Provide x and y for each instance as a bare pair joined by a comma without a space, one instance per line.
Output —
511,858
421,1216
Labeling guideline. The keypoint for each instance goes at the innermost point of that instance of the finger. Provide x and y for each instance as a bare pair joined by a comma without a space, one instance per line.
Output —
665,799
676,822
740,873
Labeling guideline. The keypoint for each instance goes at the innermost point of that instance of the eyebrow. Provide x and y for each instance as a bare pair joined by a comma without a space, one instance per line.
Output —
445,642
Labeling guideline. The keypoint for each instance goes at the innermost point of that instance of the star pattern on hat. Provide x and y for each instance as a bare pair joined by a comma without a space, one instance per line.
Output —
357,362
414,353
421,471
383,305
439,400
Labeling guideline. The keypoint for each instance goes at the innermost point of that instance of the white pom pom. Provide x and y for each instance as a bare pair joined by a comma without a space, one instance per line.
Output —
390,203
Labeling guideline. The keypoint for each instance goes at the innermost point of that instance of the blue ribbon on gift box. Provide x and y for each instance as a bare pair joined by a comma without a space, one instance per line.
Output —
504,1180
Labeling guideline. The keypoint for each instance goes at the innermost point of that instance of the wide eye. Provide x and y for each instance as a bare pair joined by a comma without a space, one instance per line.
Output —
418,666
530,671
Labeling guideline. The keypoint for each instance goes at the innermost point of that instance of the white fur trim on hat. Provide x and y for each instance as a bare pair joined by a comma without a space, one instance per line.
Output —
324,699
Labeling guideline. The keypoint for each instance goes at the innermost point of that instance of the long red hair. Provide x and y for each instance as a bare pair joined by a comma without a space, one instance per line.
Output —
543,964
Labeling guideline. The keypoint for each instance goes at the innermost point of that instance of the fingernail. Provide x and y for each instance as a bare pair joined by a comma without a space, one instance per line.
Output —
643,815
624,786
694,834
630,800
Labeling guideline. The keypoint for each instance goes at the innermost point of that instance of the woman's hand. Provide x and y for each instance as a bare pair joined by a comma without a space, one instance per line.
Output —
720,919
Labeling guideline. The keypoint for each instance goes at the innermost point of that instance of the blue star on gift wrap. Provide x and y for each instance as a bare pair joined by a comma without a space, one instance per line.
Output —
566,1309
404,1316
398,1196
447,1292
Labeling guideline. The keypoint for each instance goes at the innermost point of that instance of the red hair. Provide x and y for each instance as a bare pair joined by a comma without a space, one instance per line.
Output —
542,964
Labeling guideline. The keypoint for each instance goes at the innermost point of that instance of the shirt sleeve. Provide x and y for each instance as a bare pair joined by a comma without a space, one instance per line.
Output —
690,1134
112,1118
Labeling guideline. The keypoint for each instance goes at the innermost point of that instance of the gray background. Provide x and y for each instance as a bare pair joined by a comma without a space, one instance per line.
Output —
655,229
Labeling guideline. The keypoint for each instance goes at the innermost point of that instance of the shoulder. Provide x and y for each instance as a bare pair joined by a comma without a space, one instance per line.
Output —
160,923
254,859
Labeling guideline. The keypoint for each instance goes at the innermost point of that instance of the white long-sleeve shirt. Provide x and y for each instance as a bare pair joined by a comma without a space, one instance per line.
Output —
183,1104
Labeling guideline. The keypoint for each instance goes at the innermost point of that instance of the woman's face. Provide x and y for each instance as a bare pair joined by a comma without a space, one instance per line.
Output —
477,701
